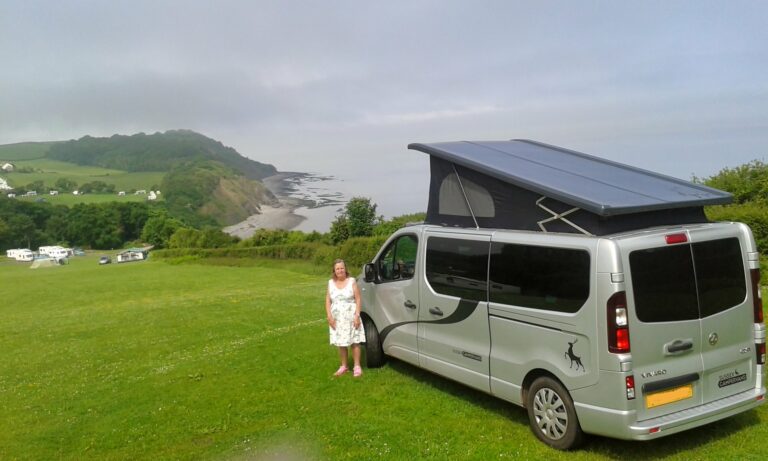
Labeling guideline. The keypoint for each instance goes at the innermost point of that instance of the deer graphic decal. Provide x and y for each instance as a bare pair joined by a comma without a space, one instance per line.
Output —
574,358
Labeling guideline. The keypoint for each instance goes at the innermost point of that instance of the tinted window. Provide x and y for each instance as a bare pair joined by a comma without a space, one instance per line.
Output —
665,280
555,279
398,261
458,267
720,275
663,284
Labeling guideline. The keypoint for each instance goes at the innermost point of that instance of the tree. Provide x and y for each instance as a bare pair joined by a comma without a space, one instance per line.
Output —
357,220
65,185
159,228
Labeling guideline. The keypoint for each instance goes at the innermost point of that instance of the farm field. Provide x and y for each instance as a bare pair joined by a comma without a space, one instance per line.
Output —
49,171
152,360
69,200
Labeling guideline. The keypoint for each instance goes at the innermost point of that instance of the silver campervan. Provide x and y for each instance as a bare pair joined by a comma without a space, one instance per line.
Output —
594,294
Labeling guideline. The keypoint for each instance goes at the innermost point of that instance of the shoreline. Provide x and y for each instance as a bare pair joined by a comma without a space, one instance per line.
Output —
279,215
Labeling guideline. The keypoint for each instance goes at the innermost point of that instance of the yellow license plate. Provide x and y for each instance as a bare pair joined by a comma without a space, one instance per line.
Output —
658,399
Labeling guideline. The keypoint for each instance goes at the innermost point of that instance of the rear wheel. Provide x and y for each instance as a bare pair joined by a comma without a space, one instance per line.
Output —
374,355
552,415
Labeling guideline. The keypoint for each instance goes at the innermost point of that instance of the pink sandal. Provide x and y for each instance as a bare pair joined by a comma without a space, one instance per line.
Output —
342,369
357,372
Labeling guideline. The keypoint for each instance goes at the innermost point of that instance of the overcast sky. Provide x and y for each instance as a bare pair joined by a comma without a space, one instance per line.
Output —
341,87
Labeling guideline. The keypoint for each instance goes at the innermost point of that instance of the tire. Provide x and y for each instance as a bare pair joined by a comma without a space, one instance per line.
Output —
552,415
374,354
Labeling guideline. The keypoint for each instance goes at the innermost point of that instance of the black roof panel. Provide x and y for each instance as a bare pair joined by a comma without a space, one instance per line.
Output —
594,184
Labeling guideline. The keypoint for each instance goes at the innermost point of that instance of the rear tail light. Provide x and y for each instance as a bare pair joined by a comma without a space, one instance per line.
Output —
630,387
760,349
618,323
757,295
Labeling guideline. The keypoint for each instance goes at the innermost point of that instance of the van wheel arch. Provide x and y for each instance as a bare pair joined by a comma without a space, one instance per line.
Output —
374,352
565,434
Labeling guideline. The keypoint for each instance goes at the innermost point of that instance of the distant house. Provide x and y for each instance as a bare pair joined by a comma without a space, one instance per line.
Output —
7,167
31,193
121,193
75,192
54,192
141,192
11,195
151,196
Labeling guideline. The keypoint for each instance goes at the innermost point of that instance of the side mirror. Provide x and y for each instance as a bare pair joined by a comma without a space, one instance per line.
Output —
370,272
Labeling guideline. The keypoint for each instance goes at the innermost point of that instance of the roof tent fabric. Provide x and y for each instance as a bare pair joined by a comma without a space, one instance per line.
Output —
532,186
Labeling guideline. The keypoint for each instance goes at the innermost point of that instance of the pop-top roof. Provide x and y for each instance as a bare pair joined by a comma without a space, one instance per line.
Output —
597,185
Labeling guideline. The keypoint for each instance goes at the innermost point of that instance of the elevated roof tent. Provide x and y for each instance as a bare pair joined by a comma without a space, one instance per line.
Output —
528,185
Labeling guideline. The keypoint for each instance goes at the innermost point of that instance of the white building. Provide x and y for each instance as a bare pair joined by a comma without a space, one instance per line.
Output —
7,167
54,192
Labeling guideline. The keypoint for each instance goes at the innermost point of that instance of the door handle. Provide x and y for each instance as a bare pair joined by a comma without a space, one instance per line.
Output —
678,346
435,311
409,304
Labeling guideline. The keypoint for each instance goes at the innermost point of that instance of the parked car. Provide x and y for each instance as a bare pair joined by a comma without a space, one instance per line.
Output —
105,260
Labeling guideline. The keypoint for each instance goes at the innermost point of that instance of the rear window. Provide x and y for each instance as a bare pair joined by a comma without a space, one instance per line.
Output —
685,282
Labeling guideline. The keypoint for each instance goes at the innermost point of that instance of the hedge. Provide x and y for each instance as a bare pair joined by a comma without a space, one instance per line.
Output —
355,251
751,214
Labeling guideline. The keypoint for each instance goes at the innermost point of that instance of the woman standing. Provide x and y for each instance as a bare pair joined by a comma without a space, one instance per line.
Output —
342,307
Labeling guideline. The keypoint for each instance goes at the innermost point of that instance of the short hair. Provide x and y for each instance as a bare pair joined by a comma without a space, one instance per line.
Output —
333,269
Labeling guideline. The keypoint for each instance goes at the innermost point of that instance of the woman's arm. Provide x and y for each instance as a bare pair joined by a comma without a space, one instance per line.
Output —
328,314
358,305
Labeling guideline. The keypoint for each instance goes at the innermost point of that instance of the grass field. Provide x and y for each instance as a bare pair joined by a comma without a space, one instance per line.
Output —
24,151
49,171
150,360
33,155
69,200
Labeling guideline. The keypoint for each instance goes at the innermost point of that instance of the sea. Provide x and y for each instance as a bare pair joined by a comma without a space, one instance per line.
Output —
325,196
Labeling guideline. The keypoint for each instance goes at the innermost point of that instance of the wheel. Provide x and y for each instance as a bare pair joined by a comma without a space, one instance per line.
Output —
552,415
374,355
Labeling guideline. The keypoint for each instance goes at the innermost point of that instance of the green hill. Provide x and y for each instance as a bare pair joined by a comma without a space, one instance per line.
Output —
155,152
198,176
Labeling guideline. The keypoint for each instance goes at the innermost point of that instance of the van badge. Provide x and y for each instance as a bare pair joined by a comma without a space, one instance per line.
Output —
713,339
733,377
651,374
574,358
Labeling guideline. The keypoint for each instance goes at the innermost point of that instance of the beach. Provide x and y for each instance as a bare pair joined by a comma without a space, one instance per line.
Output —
292,191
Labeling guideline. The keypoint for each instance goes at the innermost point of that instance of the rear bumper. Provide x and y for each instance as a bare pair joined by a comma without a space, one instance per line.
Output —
622,424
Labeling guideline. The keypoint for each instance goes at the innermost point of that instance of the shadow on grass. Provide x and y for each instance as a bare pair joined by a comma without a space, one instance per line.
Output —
664,447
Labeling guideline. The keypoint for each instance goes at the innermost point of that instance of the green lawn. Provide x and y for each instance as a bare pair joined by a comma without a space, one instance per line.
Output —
149,360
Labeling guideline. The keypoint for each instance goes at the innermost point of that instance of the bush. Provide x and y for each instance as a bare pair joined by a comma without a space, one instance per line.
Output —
752,214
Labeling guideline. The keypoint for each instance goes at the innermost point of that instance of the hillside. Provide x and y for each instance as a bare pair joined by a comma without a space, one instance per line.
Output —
155,152
201,180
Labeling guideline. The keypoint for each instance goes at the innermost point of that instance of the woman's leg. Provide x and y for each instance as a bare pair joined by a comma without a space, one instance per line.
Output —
356,354
343,356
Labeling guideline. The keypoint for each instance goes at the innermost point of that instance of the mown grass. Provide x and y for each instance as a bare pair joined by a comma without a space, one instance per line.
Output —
152,360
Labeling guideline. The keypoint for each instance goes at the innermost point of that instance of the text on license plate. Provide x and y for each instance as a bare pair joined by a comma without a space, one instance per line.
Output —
668,396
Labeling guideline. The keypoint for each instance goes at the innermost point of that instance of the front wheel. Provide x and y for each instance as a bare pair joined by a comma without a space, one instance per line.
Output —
552,415
374,354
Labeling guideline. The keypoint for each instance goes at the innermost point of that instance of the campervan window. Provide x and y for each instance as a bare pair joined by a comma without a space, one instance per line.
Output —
457,267
665,280
553,279
398,261
452,201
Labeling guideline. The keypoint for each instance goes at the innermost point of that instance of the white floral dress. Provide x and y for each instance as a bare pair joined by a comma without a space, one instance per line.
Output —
343,310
